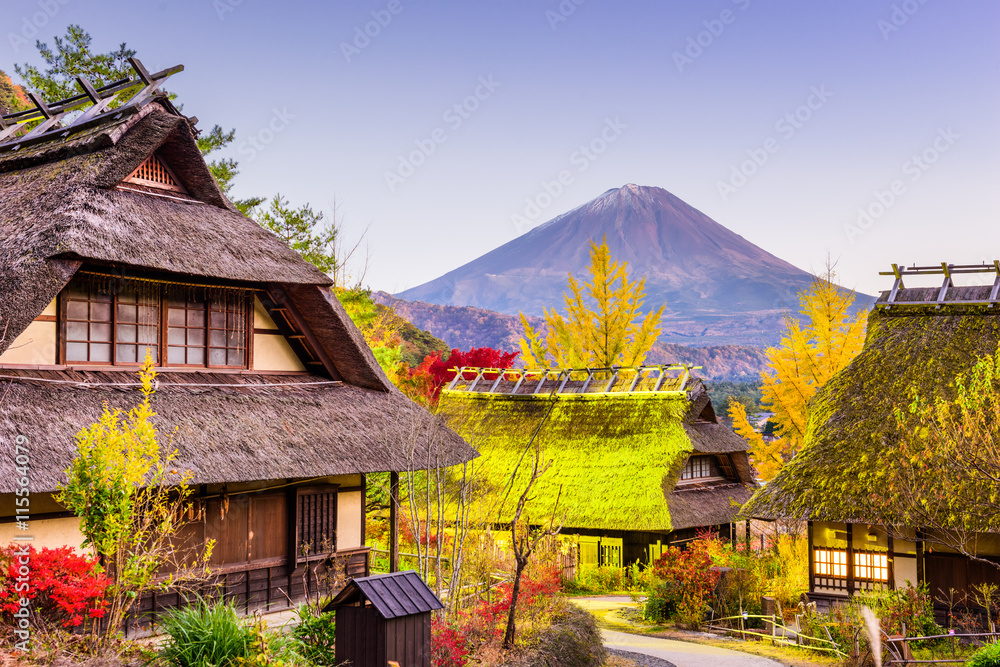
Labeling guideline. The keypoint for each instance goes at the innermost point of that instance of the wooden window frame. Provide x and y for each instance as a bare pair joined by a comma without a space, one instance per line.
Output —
63,334
704,462
162,335
826,558
871,565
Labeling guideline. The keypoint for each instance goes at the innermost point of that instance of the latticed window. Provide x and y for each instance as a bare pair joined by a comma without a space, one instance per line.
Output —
186,331
315,522
89,320
153,173
227,330
698,467
871,566
115,321
137,323
830,562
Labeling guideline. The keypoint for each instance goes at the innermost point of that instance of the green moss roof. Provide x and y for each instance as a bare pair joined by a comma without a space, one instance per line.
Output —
851,430
614,455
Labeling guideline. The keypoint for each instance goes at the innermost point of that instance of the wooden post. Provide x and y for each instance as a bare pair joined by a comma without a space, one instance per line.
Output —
748,536
812,555
393,522
921,574
850,559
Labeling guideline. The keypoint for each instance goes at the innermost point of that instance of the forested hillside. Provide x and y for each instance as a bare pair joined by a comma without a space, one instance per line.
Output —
466,327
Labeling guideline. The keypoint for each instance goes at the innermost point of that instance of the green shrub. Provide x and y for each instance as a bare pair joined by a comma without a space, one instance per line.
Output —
316,632
205,635
597,580
658,609
987,656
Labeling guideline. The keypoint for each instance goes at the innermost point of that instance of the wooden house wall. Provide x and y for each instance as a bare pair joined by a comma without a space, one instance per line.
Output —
911,561
636,546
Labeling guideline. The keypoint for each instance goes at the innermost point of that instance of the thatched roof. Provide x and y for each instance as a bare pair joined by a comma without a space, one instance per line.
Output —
59,204
616,457
60,208
252,427
851,427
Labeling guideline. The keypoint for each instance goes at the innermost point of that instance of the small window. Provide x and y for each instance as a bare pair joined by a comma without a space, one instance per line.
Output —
88,324
137,324
871,566
830,562
700,467
186,325
227,331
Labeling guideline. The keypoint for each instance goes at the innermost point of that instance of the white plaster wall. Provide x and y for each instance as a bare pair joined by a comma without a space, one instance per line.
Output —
49,533
904,569
349,520
35,346
273,353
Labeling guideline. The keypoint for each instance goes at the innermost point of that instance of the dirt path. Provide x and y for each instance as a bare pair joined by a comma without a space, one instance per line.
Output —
683,654
679,653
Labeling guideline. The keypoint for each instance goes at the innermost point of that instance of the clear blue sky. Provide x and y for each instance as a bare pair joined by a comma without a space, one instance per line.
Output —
868,83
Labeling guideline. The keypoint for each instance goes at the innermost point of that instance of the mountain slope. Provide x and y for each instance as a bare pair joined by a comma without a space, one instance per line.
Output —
706,274
466,327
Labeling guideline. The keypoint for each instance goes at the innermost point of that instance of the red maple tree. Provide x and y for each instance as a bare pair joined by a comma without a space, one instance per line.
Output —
434,372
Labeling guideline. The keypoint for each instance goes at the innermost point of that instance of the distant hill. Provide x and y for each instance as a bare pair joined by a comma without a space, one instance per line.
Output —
465,327
719,288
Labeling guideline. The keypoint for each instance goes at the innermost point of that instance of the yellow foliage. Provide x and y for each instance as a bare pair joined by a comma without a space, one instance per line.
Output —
816,345
610,333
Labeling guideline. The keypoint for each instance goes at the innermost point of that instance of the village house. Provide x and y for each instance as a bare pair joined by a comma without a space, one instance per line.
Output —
638,457
917,338
115,242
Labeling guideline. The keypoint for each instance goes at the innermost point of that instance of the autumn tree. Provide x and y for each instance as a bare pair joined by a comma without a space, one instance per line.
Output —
12,97
603,325
820,341
944,476
425,382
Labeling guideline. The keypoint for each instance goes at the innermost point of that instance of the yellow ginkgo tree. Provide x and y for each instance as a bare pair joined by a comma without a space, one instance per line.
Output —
603,325
820,341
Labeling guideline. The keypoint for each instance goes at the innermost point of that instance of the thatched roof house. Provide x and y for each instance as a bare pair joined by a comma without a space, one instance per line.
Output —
917,337
635,464
115,240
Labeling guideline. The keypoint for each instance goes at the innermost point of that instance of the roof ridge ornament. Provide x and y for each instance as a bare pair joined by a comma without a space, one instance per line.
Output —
662,378
948,271
96,101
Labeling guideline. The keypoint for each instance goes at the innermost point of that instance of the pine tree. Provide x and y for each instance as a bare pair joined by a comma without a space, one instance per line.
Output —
815,346
301,230
602,326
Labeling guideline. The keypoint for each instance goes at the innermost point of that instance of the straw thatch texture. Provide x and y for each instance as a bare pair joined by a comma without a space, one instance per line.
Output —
851,426
615,458
246,430
706,506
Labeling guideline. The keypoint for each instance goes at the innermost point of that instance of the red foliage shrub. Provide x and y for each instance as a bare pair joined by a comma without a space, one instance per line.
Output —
451,643
63,586
689,578
434,371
